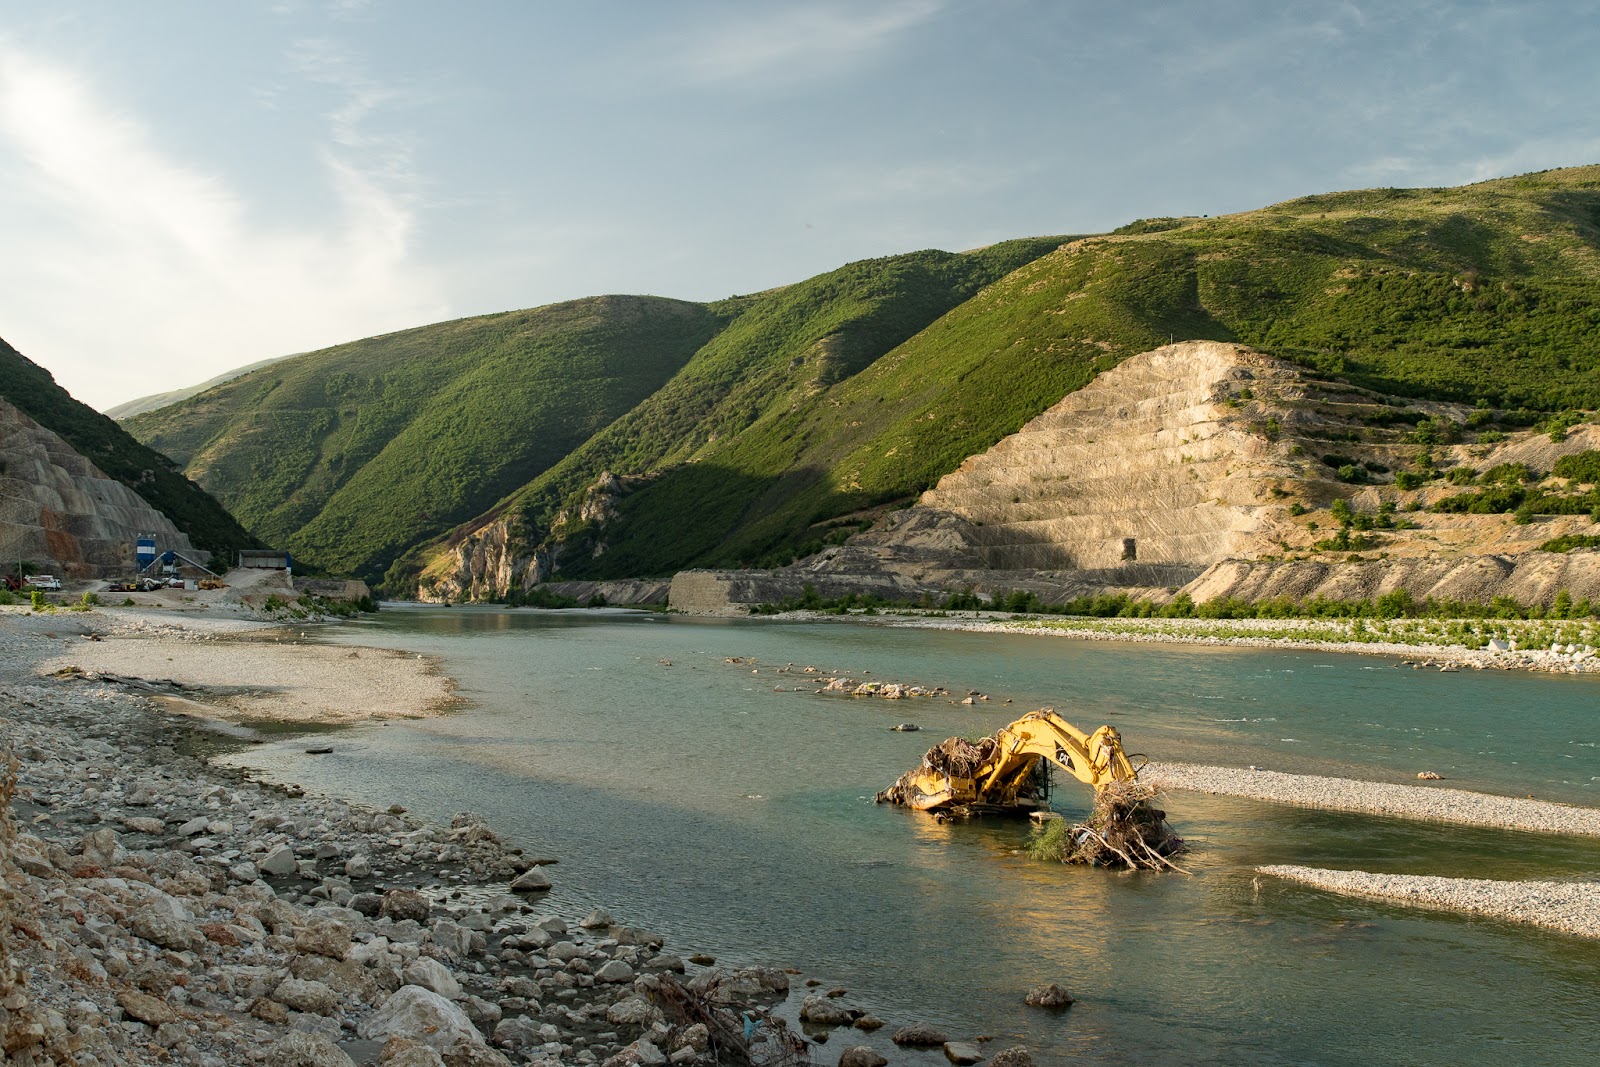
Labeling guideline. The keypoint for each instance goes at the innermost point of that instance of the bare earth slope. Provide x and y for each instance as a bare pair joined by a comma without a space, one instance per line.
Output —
1201,467
62,513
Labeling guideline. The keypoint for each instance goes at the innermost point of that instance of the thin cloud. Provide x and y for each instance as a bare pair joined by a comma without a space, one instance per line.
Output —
133,253
813,40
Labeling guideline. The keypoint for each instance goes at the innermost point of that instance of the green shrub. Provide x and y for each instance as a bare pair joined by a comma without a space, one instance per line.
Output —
1568,542
1409,480
1582,467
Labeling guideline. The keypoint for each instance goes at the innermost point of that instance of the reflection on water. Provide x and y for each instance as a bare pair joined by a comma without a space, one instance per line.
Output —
695,799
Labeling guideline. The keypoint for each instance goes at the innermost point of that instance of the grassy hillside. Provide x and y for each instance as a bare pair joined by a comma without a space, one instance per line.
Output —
1487,292
153,476
350,455
785,351
155,401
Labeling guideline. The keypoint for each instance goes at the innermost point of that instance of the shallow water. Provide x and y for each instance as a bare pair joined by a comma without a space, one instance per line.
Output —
694,799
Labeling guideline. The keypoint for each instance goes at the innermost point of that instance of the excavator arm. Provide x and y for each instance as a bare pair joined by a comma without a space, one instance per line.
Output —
994,773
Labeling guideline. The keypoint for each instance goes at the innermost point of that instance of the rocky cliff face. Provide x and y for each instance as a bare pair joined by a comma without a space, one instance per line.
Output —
484,566
63,514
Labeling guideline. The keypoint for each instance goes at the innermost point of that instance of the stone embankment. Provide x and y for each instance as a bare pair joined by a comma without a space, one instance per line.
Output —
155,908
1571,907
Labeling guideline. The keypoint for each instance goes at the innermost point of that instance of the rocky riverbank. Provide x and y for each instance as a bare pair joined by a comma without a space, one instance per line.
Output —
159,909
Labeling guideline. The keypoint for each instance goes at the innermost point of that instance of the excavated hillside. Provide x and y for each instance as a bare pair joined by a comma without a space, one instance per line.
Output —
1216,470
63,514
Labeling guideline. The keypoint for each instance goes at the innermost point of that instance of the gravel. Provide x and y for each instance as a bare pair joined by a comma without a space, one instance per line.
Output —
1433,803
1571,907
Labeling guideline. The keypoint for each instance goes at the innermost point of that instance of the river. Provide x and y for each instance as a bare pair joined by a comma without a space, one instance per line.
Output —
691,798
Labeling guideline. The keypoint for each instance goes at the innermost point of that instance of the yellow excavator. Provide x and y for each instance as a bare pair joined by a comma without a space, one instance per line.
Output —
996,774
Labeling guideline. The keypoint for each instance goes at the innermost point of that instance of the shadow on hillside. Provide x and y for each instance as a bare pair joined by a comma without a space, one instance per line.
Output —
710,515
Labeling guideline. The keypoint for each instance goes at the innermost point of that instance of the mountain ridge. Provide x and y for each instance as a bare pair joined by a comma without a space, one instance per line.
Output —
811,408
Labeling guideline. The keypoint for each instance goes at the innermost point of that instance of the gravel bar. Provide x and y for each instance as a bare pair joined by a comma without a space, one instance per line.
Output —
1432,803
1571,907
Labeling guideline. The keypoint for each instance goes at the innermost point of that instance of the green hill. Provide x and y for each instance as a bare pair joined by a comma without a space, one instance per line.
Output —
1488,292
749,430
350,455
95,436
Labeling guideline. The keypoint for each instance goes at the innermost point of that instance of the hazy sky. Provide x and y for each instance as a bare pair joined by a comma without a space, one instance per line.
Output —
188,187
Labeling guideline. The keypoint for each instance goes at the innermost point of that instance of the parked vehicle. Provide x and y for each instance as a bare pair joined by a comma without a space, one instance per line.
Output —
47,582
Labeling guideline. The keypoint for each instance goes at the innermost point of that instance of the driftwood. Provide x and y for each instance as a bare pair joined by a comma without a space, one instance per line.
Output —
749,1038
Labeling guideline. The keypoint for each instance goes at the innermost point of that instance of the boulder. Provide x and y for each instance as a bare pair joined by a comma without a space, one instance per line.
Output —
596,919
861,1056
323,937
920,1035
520,1032
1048,996
1015,1056
401,1053
962,1052
143,824
306,1050
434,976
614,971
101,848
280,862
307,995
160,928
824,1011
402,904
532,880
422,1015
472,1054
145,1008
453,939
634,1011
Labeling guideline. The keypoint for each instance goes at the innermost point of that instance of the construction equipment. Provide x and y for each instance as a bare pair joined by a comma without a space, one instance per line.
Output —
1000,774
996,774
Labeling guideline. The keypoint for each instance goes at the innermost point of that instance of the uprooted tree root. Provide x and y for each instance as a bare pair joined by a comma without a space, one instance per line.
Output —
1124,830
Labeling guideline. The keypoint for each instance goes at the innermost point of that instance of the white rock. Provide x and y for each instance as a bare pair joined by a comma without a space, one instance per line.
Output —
421,1015
432,975
280,861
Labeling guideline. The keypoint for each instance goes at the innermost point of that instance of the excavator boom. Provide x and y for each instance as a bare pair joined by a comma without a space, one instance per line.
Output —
996,772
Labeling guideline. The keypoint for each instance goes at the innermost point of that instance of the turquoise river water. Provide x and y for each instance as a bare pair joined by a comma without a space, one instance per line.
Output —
689,797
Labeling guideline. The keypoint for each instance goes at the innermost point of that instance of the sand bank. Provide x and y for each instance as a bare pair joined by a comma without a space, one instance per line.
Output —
1434,803
1571,907
241,672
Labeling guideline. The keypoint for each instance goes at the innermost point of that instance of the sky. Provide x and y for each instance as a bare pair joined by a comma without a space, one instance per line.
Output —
189,187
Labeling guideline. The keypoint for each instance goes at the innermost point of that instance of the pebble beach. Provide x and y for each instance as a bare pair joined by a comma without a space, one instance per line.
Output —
160,909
